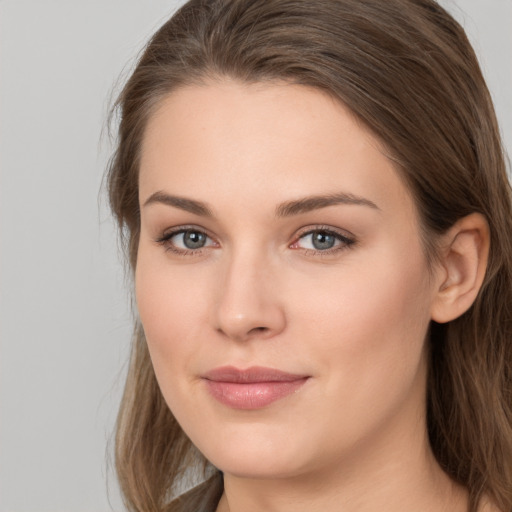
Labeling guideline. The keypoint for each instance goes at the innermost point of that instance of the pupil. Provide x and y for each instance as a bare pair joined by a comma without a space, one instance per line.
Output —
194,240
323,240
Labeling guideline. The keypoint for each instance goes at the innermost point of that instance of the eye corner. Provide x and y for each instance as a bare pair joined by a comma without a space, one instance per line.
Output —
199,240
328,241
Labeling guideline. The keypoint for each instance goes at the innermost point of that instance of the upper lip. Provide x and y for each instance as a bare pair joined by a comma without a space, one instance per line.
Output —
250,375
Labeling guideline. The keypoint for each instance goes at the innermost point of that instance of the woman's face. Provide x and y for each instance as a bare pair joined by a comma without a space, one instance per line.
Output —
280,280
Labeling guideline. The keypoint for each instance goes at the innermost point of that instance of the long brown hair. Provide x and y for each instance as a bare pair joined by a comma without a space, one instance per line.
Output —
407,71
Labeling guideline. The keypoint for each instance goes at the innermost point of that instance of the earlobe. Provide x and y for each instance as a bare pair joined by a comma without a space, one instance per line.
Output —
463,264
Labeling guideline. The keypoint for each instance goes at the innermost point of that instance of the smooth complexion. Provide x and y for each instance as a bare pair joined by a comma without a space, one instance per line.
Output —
276,234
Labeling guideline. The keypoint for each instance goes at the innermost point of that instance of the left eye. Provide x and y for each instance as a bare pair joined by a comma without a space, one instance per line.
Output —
321,240
189,239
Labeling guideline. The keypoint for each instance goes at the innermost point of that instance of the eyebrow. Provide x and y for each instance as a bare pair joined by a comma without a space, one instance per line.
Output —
287,209
311,203
189,205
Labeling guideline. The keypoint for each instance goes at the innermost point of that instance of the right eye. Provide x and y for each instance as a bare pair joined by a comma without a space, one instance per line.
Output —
186,240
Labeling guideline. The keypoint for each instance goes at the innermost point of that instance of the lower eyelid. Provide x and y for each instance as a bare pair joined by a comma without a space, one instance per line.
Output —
328,252
165,241
343,241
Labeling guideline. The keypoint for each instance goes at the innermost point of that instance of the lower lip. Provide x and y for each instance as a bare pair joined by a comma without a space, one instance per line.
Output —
252,395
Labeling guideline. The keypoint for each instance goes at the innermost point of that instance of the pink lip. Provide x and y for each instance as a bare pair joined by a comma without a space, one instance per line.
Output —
252,388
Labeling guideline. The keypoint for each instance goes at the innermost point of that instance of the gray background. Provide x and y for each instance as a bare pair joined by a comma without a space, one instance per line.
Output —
64,311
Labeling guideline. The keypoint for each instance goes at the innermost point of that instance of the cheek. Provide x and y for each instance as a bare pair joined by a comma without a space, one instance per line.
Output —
365,332
369,323
170,306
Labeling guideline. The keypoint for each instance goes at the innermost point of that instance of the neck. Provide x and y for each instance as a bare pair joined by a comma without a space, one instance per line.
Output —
404,482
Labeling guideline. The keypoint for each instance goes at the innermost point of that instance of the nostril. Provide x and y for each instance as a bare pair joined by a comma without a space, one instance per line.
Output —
259,329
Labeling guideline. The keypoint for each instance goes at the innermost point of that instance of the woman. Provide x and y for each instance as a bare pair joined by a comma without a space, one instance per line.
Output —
317,214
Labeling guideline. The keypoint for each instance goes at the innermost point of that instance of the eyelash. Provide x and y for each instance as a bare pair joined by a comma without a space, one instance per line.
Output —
164,240
346,242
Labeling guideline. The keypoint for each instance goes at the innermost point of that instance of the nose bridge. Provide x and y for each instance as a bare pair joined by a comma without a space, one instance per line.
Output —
248,302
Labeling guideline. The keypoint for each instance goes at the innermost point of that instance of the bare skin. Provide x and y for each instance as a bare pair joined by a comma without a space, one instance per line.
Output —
276,233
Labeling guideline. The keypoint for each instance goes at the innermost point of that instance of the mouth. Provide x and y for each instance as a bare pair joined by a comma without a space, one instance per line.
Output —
252,388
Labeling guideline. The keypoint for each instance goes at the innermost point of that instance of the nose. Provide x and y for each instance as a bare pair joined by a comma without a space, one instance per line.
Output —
249,306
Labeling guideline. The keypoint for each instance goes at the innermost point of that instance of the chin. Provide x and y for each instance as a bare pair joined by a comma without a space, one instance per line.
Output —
256,454
258,467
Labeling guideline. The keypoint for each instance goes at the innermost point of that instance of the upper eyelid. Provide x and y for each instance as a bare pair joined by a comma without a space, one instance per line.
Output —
327,229
164,240
346,240
170,232
306,230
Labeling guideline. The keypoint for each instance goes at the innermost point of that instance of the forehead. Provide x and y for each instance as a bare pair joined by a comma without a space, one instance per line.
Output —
262,142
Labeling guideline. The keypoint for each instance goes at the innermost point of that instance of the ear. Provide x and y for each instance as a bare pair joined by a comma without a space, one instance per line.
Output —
463,261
